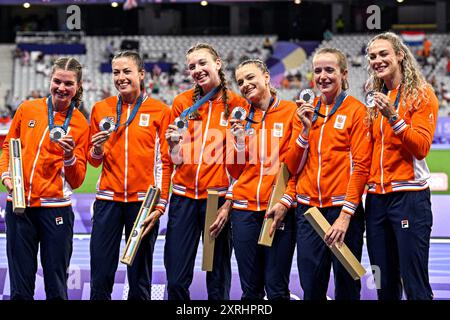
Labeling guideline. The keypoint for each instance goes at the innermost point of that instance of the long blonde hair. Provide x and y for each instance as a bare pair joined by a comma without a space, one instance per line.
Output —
413,82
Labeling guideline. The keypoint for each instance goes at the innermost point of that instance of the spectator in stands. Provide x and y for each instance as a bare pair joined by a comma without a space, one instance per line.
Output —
446,51
444,108
9,101
209,102
363,50
110,50
327,35
432,59
52,167
445,92
230,61
17,53
421,57
262,270
340,24
5,118
335,134
398,208
105,93
267,45
163,57
156,71
25,59
426,47
35,94
41,67
134,155
448,66
356,61
15,104
310,79
251,49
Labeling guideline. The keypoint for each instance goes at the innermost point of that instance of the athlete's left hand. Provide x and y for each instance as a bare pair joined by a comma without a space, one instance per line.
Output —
383,104
337,231
150,221
68,146
278,212
222,218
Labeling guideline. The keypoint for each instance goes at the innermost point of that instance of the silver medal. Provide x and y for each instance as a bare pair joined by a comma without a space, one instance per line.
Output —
238,113
307,95
107,124
57,133
370,101
182,124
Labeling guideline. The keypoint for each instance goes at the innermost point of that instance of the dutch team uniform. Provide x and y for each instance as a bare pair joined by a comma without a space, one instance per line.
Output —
135,157
200,165
333,165
398,207
261,267
48,182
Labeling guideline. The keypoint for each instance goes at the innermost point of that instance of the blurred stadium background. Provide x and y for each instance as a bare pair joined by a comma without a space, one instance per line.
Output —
284,33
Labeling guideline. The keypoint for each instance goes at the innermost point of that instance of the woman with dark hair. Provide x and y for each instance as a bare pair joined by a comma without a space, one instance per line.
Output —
54,138
134,155
197,148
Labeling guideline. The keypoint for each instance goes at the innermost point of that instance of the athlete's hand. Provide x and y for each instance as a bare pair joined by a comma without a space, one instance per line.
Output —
278,212
98,140
68,146
172,135
8,185
222,218
337,231
150,221
305,112
237,128
383,104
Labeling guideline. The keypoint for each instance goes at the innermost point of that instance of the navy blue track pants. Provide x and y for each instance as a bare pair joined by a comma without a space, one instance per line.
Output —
109,219
184,228
47,229
398,242
314,258
263,270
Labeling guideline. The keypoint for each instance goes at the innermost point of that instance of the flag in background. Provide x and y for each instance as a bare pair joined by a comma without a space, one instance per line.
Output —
413,38
130,4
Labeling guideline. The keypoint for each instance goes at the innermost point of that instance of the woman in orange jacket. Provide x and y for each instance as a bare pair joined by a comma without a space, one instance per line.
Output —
262,142
398,207
54,137
332,157
134,155
198,149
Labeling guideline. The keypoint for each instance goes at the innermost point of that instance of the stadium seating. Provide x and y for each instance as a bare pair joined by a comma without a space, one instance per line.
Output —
153,47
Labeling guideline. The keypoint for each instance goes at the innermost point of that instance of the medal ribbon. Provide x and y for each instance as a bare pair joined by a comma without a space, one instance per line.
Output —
51,120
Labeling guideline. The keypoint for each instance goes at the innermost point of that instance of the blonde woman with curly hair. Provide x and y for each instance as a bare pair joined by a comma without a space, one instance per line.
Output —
398,208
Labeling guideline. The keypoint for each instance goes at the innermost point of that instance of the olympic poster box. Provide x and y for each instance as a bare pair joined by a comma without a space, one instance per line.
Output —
344,255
